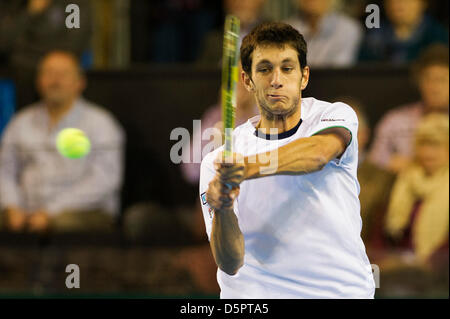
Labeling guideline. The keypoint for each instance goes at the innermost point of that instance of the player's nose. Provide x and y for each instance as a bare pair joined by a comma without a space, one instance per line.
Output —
276,79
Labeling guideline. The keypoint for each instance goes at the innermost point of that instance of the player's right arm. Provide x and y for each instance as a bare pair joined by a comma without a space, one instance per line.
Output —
222,227
227,241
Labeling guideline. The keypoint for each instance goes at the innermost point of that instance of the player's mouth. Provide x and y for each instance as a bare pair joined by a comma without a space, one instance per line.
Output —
275,97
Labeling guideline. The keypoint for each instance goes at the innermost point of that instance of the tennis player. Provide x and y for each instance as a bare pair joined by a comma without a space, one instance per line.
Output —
288,227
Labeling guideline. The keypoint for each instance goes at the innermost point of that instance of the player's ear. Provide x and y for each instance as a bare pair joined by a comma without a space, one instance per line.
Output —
247,82
305,78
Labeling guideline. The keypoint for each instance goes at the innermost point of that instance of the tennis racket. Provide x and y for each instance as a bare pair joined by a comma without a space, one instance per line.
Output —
229,79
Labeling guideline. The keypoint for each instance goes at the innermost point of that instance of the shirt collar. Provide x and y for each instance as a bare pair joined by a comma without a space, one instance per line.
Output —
70,119
280,136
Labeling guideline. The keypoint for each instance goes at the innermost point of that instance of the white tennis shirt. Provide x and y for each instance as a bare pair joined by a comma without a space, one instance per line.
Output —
302,233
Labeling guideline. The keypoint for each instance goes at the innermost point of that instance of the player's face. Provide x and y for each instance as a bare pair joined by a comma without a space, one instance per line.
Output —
277,80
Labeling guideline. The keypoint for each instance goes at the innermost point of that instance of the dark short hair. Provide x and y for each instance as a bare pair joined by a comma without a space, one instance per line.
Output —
272,33
436,54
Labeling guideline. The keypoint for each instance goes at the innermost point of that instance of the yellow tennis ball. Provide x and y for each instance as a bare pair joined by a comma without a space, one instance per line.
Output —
73,143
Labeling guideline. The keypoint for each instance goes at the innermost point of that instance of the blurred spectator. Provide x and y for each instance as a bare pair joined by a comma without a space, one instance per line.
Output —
419,206
375,184
407,31
393,143
29,29
39,188
333,38
249,13
354,8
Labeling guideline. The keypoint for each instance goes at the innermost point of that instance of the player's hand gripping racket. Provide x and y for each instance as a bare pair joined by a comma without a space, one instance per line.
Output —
229,79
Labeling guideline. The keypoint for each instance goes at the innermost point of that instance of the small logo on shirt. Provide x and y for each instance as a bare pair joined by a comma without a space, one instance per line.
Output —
332,120
203,197
204,202
211,212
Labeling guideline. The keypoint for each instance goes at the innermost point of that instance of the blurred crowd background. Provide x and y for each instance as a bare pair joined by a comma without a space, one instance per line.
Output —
127,214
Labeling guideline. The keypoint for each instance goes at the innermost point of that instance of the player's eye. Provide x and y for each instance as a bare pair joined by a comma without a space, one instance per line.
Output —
264,69
288,69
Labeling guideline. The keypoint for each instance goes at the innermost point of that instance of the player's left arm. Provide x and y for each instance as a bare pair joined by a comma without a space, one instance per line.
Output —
302,156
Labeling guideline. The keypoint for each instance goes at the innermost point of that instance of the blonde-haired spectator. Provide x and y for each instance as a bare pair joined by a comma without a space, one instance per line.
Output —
418,210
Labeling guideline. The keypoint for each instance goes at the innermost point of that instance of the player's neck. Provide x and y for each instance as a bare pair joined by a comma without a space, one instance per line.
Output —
281,123
245,110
